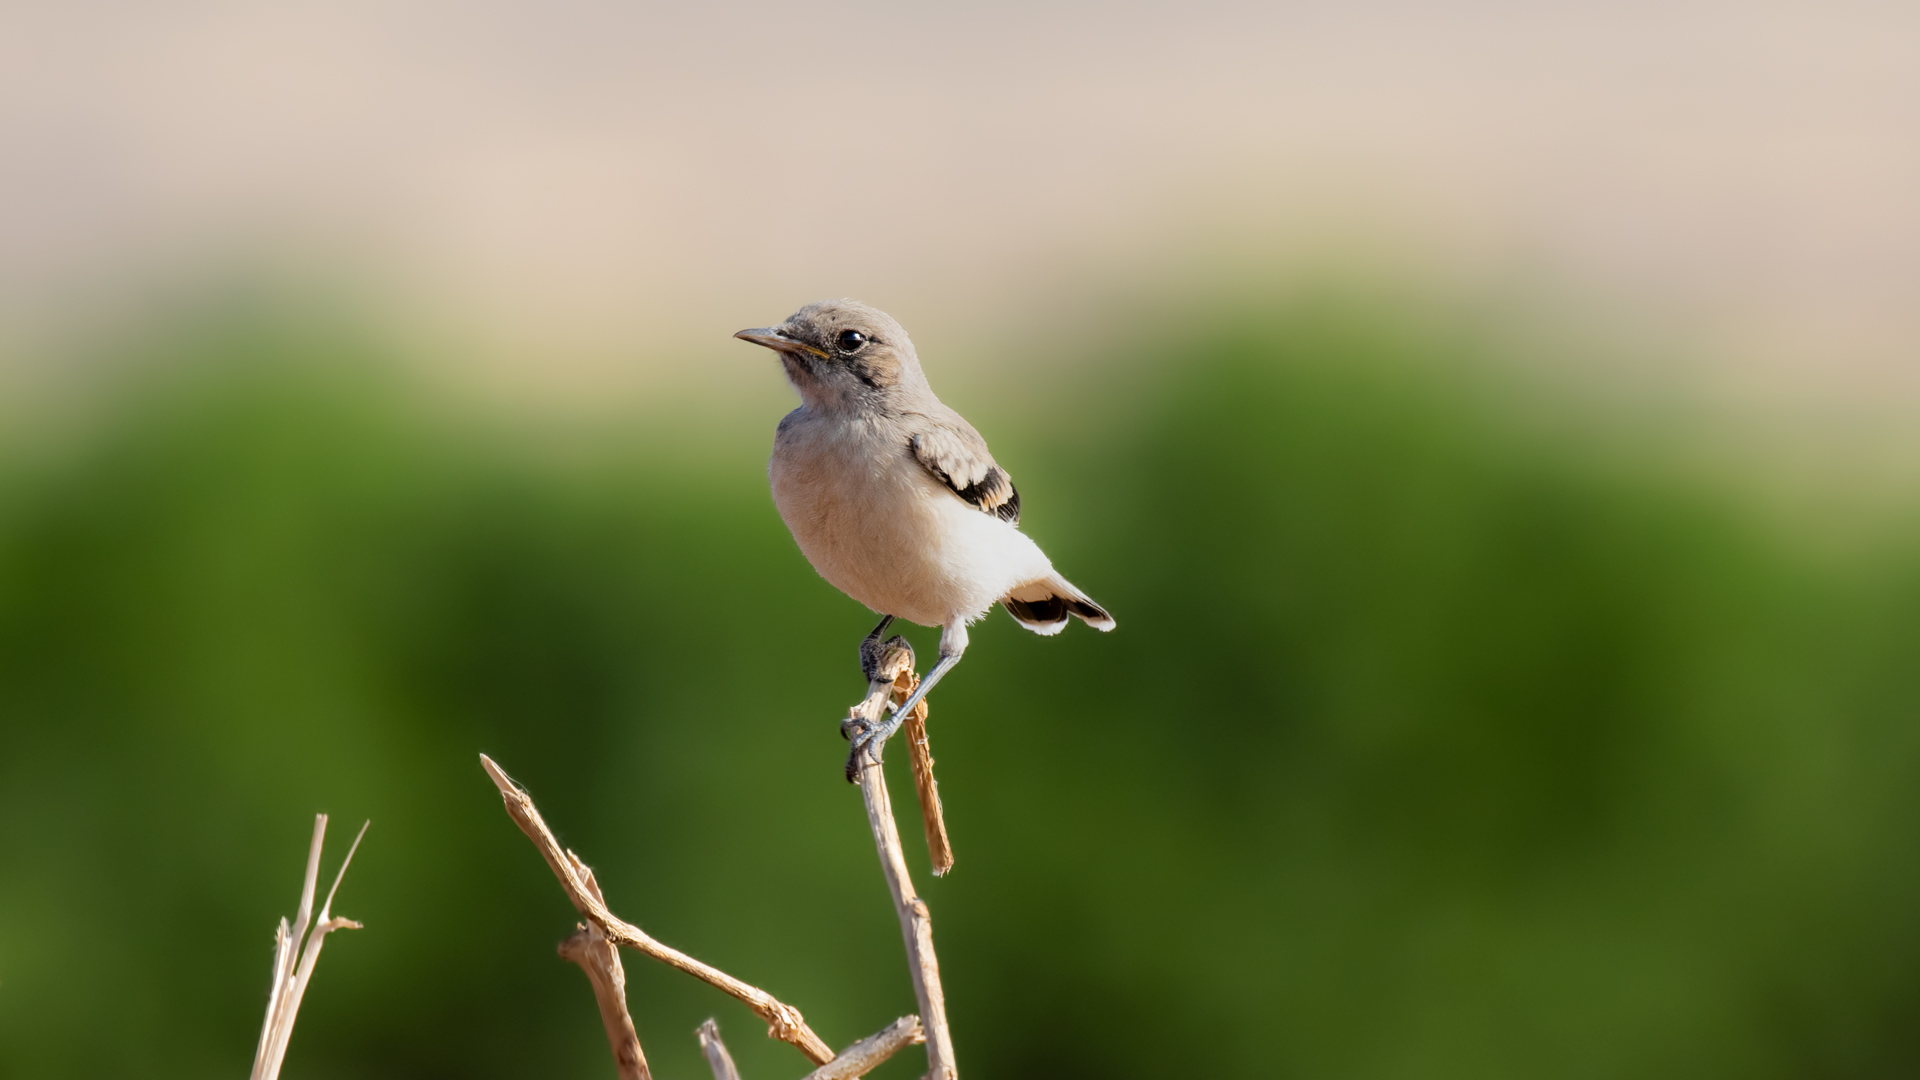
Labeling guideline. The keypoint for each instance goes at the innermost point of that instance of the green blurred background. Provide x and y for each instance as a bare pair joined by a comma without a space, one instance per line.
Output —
1443,735
1493,427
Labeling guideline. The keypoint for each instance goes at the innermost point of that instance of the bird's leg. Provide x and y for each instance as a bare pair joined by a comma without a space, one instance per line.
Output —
871,649
953,642
899,716
881,662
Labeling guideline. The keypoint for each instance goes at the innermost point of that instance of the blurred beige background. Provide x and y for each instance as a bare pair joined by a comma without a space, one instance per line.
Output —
563,190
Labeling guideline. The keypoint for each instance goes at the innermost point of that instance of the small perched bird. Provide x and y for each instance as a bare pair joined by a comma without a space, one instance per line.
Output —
893,497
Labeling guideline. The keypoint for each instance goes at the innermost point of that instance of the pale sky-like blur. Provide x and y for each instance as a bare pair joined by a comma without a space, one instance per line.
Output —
585,180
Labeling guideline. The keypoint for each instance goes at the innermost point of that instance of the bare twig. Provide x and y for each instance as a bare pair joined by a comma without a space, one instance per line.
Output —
867,1054
600,959
293,961
893,663
889,673
718,1059
855,1061
916,923
920,755
783,1021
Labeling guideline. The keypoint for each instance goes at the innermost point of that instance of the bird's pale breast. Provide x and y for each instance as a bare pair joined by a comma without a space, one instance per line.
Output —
877,526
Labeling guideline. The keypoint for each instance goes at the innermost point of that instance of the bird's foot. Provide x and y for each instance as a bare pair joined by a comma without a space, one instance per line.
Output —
855,730
868,737
883,661
868,724
873,651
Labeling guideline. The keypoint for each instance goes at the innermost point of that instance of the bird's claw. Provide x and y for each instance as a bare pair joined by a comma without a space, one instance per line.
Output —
868,739
865,750
871,650
871,722
882,661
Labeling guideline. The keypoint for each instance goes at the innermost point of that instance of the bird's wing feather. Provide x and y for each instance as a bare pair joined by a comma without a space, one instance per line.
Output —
957,456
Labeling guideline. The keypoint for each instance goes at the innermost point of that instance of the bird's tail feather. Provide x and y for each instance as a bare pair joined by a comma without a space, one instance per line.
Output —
1043,606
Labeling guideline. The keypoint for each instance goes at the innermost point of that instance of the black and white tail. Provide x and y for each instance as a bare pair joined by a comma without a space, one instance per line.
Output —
1043,606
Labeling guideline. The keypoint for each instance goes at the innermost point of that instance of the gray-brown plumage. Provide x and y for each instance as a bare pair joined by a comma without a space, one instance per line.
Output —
959,458
893,496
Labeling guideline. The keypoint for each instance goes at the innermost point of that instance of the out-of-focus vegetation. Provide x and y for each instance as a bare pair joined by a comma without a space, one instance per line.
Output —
1436,740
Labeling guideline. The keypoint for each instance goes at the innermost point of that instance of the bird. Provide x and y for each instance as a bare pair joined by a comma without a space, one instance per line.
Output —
894,497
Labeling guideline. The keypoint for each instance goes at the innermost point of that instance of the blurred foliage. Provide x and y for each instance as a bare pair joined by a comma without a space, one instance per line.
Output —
1436,739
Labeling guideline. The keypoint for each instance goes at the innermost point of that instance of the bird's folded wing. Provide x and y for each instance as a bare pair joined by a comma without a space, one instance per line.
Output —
957,456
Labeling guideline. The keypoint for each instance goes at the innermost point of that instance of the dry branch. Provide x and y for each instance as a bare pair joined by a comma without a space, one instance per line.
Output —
293,961
855,1061
916,923
783,1021
594,945
920,755
600,959
867,1054
718,1059
895,663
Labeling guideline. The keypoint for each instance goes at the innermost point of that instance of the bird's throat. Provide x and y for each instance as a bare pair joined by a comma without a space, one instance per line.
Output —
799,371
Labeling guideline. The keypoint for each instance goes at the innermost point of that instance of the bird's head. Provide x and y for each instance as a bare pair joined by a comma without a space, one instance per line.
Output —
842,354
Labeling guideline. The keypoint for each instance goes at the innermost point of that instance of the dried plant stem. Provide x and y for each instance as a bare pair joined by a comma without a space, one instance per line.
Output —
867,1054
783,1021
293,961
600,959
920,754
889,668
890,675
916,923
718,1059
855,1061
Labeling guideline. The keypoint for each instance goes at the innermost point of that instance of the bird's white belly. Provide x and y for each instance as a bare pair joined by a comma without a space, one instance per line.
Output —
885,532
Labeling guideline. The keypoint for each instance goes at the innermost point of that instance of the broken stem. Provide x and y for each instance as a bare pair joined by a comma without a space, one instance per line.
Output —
920,755
718,1059
867,1054
294,960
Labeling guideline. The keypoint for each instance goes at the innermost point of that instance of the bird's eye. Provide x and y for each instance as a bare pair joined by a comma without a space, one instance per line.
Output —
851,340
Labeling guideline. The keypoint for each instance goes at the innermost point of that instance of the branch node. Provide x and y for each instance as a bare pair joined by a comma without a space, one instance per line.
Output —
600,959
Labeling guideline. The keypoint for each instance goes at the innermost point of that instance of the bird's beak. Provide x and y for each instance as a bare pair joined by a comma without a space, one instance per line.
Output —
775,338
